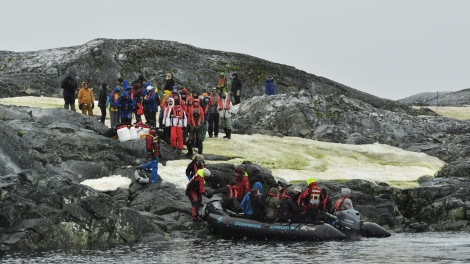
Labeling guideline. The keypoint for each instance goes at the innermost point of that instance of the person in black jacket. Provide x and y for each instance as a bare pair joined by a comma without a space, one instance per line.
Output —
69,85
236,89
288,211
102,100
169,83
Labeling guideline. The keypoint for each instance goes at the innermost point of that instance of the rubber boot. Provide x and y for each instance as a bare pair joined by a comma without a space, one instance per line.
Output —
199,147
229,133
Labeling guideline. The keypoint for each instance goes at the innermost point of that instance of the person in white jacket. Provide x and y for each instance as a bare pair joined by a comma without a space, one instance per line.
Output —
225,115
175,118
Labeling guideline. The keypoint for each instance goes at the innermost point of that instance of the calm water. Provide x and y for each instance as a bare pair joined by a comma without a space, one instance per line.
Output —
400,248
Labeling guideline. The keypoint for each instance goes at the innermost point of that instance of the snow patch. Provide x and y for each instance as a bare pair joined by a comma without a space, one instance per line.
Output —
108,184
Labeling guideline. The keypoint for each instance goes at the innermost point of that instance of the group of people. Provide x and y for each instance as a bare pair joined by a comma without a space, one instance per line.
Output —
280,204
184,117
284,205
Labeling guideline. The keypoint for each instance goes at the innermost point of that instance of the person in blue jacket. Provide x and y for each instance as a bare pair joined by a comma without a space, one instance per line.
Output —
126,106
270,86
150,105
246,201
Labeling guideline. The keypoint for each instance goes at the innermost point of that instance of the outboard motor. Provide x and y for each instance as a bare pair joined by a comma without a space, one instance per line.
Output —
349,221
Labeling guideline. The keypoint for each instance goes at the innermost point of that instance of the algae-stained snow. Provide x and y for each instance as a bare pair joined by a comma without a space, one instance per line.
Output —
297,159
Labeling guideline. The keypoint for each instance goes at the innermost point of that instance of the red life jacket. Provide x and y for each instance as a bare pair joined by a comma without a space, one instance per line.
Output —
199,121
232,191
224,104
340,202
211,100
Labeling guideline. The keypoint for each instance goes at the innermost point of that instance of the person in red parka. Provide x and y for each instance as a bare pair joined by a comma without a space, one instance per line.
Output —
195,189
243,184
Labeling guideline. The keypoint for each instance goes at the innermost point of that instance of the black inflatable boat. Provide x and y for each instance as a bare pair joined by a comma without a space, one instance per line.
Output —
233,225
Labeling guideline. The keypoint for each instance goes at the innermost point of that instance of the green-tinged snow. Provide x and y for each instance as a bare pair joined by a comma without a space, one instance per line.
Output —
297,159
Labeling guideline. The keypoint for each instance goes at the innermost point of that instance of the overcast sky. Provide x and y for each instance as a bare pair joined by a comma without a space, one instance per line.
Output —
391,49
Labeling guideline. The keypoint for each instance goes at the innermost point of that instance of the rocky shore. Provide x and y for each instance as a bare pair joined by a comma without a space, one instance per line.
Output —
46,153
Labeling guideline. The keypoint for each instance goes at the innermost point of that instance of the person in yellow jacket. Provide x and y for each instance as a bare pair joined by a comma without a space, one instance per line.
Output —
86,102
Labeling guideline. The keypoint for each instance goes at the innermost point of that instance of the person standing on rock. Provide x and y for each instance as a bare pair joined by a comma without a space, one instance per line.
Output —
152,146
213,113
195,128
269,86
196,164
236,89
195,189
150,105
222,83
113,109
225,114
86,102
169,82
126,106
69,86
102,101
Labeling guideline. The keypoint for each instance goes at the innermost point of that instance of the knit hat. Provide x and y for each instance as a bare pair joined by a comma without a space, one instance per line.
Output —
150,88
345,191
274,191
239,169
199,157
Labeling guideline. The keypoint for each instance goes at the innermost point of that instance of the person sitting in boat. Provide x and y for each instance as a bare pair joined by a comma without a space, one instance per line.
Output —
288,210
344,202
229,199
272,204
312,201
195,189
282,187
243,184
246,204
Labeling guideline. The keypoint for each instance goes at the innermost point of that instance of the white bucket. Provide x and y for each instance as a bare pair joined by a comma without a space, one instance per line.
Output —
124,134
133,132
143,131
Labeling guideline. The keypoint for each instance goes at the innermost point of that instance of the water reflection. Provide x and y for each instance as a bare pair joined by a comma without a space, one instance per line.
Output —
400,248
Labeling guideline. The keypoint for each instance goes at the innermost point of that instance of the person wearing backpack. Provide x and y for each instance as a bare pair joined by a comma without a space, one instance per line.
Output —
69,86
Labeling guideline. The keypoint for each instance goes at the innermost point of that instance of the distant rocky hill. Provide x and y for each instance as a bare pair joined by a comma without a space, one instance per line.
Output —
106,60
458,98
